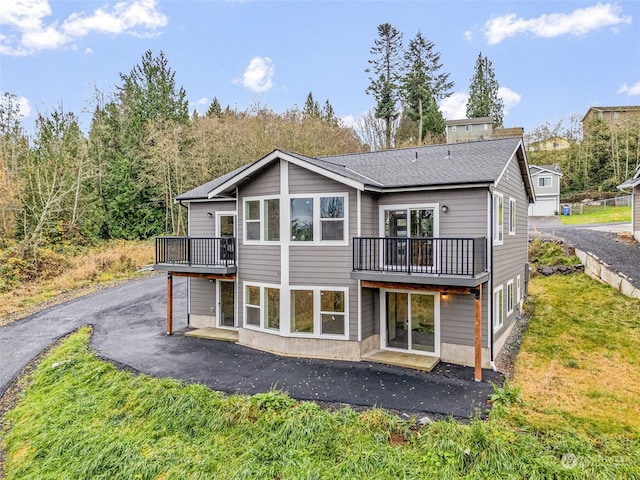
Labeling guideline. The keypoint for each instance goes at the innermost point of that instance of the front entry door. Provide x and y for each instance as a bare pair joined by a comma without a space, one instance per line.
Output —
227,304
411,322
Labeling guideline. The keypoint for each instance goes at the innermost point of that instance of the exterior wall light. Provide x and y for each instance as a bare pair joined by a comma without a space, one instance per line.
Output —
444,209
209,214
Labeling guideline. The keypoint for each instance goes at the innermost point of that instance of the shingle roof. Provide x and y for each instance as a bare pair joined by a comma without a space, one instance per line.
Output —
480,162
446,164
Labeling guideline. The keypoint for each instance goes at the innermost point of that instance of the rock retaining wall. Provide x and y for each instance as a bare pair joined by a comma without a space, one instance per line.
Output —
596,268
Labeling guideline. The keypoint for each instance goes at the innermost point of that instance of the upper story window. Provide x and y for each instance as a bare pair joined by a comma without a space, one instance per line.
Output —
512,216
544,181
485,126
262,219
468,128
498,218
318,218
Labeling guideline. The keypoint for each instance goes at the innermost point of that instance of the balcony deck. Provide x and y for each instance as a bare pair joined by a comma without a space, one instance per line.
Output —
196,255
422,261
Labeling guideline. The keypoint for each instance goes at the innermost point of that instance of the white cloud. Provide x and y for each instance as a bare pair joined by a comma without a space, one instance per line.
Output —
454,107
630,90
22,103
202,101
27,29
258,76
348,121
579,22
509,98
468,35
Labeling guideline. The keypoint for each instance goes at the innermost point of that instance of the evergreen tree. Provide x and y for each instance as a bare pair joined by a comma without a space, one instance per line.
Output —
423,84
311,108
215,109
386,71
483,93
148,94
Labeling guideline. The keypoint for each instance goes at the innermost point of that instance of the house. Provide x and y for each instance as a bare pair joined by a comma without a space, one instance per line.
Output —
612,116
419,251
546,185
549,144
469,129
633,186
474,129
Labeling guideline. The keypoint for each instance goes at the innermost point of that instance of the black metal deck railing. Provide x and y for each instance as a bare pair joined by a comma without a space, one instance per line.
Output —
195,251
437,256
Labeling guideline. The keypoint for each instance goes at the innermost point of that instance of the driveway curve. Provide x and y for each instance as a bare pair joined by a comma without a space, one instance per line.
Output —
129,325
601,240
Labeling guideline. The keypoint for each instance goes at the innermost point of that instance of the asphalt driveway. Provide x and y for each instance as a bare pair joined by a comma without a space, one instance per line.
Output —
602,240
129,325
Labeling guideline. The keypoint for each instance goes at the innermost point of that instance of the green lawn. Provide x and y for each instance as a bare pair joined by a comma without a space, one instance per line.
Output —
80,417
599,215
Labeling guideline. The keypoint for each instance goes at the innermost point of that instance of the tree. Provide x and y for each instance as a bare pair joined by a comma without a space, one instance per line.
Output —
311,108
54,175
14,148
483,93
386,71
134,207
423,84
215,109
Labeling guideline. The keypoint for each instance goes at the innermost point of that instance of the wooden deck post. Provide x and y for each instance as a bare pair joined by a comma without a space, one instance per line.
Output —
478,334
169,303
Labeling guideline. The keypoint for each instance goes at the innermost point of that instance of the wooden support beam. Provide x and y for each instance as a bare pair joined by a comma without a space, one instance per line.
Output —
169,303
415,287
210,276
478,334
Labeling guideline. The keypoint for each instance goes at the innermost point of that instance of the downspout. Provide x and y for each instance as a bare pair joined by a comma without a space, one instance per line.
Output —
490,293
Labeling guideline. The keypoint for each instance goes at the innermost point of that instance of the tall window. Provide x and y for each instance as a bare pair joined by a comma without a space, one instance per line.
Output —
498,308
510,297
498,218
262,306
512,216
262,219
319,312
318,219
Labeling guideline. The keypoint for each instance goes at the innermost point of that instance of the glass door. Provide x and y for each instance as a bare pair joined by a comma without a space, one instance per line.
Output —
226,230
408,238
227,303
411,322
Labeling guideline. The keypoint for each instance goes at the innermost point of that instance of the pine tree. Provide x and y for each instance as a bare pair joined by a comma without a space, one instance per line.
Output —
386,71
311,108
215,109
483,93
422,85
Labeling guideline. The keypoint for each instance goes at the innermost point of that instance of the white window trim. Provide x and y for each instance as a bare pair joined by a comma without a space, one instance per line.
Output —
518,289
498,235
231,213
511,301
261,221
316,219
498,308
512,215
263,298
317,317
409,206
541,177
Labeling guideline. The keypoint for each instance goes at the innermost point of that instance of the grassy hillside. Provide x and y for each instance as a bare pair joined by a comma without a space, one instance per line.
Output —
571,412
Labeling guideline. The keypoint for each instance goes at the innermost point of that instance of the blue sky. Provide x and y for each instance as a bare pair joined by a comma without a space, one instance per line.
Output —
552,59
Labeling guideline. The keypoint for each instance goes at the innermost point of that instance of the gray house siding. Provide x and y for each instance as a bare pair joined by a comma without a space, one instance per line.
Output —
325,265
257,263
202,295
510,257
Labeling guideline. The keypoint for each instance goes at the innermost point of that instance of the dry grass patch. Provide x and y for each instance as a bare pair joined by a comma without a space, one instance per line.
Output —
86,270
578,367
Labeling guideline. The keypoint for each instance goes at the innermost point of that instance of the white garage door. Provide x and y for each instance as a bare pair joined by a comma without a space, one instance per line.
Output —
544,207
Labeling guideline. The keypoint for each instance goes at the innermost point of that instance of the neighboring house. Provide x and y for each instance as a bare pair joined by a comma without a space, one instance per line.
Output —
546,185
549,144
633,186
420,251
469,129
612,116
